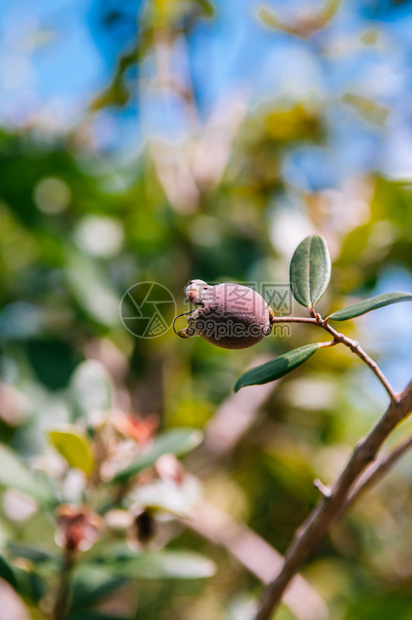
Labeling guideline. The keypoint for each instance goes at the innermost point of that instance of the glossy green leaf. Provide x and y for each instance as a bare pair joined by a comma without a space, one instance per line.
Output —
74,446
176,441
124,562
369,304
15,474
278,367
310,270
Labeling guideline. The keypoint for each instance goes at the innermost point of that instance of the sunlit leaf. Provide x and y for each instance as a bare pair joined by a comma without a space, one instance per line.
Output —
369,304
310,270
157,564
176,441
15,474
74,446
277,368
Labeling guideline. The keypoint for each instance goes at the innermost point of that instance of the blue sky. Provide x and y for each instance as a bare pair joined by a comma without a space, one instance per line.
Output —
55,57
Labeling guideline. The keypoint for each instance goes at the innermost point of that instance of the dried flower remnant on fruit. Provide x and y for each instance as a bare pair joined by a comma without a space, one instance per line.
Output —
78,528
231,316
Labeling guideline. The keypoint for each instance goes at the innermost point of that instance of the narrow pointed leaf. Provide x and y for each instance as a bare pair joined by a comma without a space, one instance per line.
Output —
369,304
310,270
177,441
278,367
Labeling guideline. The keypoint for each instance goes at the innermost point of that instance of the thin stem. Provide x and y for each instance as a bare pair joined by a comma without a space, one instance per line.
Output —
62,596
375,473
293,319
353,345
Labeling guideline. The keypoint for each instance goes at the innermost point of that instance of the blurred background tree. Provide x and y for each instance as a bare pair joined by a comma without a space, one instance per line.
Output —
163,141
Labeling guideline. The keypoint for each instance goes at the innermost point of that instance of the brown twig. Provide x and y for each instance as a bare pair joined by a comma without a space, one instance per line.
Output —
376,472
339,338
293,319
330,507
355,347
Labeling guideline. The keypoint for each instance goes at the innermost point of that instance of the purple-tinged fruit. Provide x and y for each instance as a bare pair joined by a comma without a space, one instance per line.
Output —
231,316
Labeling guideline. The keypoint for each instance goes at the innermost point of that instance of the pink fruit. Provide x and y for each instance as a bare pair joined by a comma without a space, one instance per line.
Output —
229,315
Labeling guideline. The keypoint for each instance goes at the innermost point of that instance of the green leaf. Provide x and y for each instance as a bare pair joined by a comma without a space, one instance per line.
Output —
369,304
52,360
74,446
30,585
123,562
176,441
278,367
91,584
310,270
15,474
7,572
